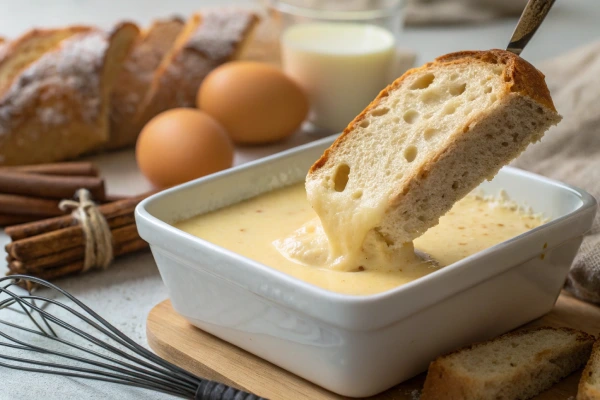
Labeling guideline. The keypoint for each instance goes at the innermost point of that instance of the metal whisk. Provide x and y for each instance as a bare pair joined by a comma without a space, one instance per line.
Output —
58,334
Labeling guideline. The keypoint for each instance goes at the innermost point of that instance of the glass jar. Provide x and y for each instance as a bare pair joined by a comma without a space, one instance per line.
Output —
343,53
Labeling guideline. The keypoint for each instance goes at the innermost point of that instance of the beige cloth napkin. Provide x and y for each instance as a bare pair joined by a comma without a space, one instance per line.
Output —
570,152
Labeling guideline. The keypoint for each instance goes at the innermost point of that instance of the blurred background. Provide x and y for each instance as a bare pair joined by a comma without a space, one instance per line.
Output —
433,26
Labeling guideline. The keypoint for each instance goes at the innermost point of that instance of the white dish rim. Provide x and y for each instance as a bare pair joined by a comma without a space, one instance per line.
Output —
307,289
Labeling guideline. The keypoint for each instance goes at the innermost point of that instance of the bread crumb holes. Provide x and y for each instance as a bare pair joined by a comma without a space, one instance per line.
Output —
449,109
430,96
410,153
457,90
364,123
378,112
340,180
411,116
488,89
423,82
357,195
429,133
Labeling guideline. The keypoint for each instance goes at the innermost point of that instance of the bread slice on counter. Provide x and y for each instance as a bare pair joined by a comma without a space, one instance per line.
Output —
589,385
135,77
430,138
517,365
57,107
208,40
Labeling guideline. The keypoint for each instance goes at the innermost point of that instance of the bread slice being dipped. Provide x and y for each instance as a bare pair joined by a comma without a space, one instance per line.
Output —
426,141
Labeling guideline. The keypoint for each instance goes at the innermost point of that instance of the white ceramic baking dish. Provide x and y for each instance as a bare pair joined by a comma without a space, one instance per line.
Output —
359,345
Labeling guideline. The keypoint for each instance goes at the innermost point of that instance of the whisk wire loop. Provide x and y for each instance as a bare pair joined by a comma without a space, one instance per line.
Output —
106,354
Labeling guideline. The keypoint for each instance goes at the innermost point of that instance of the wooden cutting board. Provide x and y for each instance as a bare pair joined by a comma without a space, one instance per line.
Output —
179,342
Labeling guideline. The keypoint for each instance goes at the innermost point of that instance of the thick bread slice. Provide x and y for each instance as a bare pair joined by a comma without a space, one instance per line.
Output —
18,54
589,385
208,40
135,77
517,365
57,108
426,141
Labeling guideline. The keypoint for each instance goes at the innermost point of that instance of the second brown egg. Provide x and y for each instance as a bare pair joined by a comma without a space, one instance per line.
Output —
255,102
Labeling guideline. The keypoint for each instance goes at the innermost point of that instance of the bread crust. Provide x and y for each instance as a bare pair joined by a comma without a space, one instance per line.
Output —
18,54
57,107
444,383
209,39
585,390
520,76
135,77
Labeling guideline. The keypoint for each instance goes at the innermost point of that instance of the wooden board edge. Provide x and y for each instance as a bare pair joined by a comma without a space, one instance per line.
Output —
176,357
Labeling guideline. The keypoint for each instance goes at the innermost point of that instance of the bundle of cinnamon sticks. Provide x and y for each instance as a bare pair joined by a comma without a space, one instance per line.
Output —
30,193
55,247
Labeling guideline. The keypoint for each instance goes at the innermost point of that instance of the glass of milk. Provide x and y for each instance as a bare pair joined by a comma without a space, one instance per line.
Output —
343,53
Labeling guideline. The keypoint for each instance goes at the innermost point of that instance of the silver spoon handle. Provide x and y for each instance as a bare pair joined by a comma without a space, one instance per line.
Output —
533,15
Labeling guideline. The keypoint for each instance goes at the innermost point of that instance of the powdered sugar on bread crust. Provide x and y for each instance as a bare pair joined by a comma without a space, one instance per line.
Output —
207,41
57,107
71,70
425,142
221,33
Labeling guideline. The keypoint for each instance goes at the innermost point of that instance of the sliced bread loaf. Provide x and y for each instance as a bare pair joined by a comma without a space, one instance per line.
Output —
207,40
135,77
589,385
517,365
425,142
57,107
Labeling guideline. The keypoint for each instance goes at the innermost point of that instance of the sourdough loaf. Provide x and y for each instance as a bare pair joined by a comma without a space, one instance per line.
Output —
425,142
516,365
589,384
207,40
135,77
56,107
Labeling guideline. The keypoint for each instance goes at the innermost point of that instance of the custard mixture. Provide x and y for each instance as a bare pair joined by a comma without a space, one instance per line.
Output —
280,229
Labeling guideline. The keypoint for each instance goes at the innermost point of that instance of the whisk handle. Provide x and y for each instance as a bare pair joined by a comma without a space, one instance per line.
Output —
210,390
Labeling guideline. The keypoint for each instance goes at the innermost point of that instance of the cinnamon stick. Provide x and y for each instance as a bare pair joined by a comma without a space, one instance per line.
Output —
109,198
60,240
77,266
25,205
110,210
13,219
50,186
64,169
71,256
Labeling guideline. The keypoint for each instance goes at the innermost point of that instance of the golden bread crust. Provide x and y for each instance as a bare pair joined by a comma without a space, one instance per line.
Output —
443,382
208,40
16,55
57,107
520,77
135,77
585,390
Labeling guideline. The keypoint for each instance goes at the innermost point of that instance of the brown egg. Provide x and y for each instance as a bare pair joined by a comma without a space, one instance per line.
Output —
255,102
182,144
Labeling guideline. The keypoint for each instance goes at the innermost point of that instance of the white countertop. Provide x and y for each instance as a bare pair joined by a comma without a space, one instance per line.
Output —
126,292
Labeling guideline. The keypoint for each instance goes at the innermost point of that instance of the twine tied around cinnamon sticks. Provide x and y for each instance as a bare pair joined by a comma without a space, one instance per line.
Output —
98,238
